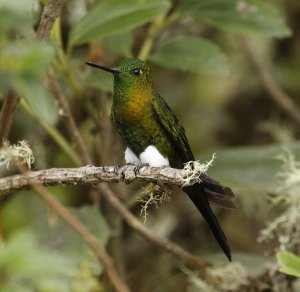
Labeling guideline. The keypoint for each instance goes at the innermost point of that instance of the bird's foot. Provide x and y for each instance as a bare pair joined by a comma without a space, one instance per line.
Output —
118,166
116,169
138,167
129,163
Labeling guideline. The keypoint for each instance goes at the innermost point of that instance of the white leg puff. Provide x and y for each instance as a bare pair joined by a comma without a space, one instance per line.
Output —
130,157
152,156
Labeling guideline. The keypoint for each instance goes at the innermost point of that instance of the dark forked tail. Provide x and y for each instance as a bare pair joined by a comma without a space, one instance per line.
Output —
197,194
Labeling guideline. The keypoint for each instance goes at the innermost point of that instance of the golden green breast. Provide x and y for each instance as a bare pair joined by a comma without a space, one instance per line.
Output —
135,107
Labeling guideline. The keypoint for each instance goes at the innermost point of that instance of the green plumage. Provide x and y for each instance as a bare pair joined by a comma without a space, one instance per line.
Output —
143,118
154,126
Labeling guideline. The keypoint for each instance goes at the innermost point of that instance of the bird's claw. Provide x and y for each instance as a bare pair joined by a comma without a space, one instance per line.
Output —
116,169
138,167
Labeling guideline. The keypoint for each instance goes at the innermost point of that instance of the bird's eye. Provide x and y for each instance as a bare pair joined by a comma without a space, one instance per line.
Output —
136,72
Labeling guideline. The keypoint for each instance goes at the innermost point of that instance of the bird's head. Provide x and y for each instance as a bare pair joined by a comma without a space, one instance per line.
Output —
129,74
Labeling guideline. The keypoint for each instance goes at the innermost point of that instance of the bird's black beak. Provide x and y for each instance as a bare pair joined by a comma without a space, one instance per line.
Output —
111,70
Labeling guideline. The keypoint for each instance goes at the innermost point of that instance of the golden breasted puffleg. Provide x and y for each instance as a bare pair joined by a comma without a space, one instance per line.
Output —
154,136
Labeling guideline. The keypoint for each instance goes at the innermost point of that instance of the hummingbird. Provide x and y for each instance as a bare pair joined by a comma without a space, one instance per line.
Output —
155,137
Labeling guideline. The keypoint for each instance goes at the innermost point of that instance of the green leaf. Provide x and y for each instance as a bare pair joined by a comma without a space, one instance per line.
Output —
245,16
101,80
191,54
250,169
23,64
26,58
40,101
52,238
289,263
111,17
120,43
70,243
24,263
14,17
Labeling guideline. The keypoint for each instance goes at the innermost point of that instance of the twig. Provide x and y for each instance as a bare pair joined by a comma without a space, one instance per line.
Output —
157,26
92,175
153,30
161,242
65,113
77,226
105,131
277,94
50,13
74,133
95,245
7,114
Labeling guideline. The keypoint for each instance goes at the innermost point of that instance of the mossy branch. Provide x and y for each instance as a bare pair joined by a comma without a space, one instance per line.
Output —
92,175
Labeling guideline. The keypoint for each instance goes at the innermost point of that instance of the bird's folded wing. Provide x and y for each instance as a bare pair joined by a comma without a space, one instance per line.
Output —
172,127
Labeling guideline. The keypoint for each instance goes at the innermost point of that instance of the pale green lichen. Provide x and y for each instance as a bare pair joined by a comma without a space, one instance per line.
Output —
281,132
289,177
228,277
286,228
152,195
19,153
195,169
195,282
156,195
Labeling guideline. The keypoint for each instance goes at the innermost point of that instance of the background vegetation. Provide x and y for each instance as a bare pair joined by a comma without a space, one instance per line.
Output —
230,70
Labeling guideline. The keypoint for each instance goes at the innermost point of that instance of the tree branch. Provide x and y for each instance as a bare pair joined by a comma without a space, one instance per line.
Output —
78,227
277,94
161,242
66,114
50,13
7,114
92,175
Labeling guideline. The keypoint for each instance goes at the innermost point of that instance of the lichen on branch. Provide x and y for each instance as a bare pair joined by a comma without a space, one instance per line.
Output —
19,153
92,175
152,194
194,170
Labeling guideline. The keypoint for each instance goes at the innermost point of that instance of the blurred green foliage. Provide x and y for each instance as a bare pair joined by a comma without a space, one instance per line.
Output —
289,263
182,53
221,106
111,17
252,168
251,16
23,61
42,253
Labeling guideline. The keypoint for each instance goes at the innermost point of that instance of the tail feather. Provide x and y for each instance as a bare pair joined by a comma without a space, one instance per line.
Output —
217,194
197,195
219,199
